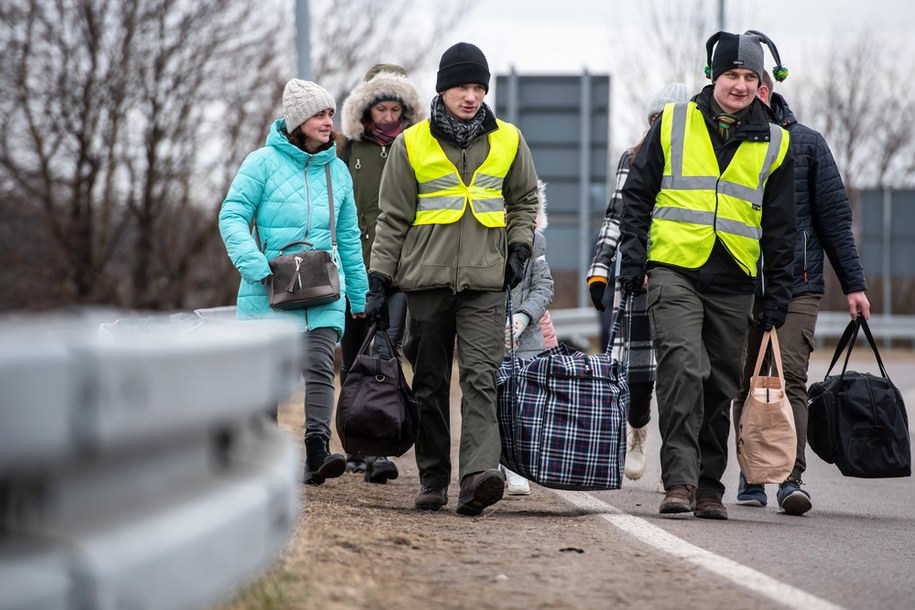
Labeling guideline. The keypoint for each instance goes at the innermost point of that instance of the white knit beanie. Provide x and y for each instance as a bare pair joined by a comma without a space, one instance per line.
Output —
302,100
672,92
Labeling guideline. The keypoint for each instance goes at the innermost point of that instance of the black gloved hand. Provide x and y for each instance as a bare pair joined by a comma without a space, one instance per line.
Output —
769,319
375,297
632,284
518,254
597,287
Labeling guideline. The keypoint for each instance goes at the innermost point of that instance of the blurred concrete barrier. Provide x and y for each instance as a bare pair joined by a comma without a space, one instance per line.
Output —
137,470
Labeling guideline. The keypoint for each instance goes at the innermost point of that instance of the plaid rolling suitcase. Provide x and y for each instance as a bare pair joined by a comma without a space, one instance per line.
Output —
562,416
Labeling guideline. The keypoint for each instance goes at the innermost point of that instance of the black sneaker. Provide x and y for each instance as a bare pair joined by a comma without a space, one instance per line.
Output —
480,490
379,469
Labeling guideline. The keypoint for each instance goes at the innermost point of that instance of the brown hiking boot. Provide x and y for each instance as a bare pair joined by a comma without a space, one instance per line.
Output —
710,507
431,498
480,490
679,499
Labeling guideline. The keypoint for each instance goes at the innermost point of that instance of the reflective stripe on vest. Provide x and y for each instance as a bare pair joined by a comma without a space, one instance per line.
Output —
698,203
443,196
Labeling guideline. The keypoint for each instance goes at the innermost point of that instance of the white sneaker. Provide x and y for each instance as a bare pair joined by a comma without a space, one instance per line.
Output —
660,488
517,485
635,452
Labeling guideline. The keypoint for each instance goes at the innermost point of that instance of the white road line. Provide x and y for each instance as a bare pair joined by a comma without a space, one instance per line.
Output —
781,593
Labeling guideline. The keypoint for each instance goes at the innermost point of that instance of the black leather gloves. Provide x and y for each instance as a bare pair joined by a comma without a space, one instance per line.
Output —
632,284
597,286
769,319
375,297
518,254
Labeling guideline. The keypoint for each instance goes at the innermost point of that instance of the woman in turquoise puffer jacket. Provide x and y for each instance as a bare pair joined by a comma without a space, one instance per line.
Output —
283,189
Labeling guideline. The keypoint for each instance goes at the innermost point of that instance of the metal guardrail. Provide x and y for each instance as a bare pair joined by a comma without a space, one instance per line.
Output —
136,469
583,322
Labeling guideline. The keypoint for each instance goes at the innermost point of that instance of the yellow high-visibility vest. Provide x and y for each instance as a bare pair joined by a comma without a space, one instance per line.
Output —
698,203
443,196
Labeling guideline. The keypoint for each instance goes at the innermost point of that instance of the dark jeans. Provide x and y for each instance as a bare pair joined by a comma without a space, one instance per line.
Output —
477,320
796,342
699,341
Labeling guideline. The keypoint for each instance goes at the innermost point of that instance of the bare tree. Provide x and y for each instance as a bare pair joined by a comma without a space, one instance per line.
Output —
863,106
105,128
123,121
349,36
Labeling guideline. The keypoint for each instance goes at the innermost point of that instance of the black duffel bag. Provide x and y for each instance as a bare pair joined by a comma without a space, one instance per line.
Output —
377,413
858,421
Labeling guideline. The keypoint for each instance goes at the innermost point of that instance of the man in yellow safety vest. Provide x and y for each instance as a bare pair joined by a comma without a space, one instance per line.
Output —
458,202
708,211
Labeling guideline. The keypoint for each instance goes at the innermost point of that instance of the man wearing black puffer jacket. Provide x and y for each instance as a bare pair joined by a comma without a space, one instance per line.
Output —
824,225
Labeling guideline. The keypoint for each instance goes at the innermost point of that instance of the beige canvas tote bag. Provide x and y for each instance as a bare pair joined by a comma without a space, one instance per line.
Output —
766,436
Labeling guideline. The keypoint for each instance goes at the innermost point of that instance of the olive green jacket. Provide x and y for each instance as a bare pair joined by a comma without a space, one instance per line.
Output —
464,255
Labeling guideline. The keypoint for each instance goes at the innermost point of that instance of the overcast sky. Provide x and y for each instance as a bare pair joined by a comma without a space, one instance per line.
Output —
550,37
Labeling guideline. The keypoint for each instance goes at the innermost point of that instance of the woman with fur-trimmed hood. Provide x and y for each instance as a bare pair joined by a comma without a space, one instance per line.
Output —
384,104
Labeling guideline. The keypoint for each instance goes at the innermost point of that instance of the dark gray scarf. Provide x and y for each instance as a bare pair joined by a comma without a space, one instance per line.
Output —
462,132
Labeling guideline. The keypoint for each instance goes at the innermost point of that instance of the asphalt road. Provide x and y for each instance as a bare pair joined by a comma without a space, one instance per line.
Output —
855,549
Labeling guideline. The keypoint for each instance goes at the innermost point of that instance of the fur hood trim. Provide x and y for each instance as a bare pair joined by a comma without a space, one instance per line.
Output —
384,84
542,222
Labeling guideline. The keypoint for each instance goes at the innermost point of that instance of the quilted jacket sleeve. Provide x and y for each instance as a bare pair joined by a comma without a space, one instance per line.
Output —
235,219
349,243
832,219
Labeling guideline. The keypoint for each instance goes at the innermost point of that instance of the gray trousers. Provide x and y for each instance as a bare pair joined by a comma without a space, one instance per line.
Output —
477,320
318,347
699,341
796,343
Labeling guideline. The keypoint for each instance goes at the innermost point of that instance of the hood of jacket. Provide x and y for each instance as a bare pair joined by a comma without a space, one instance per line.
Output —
278,139
542,221
780,112
384,84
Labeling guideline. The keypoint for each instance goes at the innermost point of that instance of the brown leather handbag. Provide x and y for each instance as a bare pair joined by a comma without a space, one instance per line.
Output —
308,277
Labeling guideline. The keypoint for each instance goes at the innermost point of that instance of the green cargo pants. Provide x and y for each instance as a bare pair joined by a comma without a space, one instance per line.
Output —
477,319
699,342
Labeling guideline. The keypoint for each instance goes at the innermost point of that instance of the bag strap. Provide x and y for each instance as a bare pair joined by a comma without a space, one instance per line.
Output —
333,221
851,329
860,322
625,305
770,340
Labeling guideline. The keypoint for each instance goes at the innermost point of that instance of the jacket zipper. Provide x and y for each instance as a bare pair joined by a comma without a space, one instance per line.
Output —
715,227
457,267
805,256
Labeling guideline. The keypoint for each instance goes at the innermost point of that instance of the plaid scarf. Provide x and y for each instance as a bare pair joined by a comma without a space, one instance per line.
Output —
462,132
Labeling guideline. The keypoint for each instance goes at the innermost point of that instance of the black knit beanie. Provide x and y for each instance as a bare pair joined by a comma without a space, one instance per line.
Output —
462,64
